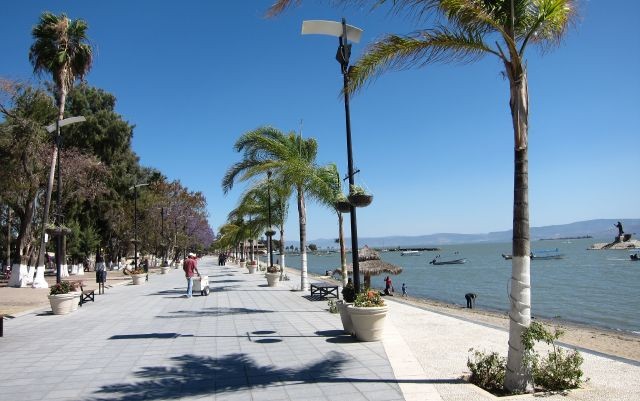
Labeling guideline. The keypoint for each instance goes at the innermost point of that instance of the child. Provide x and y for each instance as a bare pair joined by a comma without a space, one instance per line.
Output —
404,290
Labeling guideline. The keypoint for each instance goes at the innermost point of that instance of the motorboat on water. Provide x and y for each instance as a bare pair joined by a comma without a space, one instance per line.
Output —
547,254
635,256
410,253
507,256
437,261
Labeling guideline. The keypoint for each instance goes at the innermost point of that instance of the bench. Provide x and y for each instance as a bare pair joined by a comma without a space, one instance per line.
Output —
86,295
324,290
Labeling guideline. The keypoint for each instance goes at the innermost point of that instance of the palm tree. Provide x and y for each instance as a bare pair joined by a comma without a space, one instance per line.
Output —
471,29
60,48
329,190
291,159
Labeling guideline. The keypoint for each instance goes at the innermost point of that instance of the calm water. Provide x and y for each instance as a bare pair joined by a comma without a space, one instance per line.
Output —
599,288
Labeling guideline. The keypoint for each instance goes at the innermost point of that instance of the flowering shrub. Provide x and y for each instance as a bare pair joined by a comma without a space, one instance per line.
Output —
368,299
63,287
272,269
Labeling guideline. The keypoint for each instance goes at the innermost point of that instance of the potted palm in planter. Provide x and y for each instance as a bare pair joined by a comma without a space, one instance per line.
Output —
64,298
368,315
272,275
358,197
348,296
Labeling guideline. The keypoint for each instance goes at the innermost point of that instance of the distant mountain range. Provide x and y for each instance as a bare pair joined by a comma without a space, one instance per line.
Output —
601,229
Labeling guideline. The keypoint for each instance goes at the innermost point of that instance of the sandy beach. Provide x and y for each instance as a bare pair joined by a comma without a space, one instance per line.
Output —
18,301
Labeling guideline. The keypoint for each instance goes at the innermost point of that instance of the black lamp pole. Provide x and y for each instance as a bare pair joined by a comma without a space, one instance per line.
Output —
269,232
344,51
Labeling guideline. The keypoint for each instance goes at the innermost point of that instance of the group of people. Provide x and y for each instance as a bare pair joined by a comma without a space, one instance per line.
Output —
222,259
389,290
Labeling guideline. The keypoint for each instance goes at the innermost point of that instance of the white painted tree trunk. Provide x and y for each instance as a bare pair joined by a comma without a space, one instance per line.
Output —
81,269
19,275
31,272
520,319
64,270
39,281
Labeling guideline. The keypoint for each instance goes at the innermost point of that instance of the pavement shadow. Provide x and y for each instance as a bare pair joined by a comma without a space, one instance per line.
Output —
197,375
214,312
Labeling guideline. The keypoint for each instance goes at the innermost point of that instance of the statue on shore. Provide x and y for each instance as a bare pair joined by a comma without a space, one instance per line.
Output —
620,231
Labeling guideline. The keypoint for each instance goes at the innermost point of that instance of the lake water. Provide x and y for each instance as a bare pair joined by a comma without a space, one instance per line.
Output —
598,288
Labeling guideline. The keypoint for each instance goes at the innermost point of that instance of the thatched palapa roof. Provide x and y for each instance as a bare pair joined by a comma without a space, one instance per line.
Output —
371,265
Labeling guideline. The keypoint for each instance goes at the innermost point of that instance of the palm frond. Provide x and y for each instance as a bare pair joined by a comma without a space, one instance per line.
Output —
440,45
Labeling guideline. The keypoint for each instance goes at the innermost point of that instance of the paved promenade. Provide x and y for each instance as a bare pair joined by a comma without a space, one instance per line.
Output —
246,341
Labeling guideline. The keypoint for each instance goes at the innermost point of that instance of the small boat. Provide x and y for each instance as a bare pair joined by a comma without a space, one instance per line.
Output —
506,256
548,254
635,256
409,253
437,261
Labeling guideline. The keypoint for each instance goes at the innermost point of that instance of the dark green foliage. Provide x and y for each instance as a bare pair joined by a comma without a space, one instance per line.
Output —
487,370
349,292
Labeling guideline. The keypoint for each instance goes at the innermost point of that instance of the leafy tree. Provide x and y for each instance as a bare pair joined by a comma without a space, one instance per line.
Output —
467,31
23,147
313,247
60,48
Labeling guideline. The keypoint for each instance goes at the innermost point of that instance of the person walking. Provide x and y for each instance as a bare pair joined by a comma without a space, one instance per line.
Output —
404,290
190,267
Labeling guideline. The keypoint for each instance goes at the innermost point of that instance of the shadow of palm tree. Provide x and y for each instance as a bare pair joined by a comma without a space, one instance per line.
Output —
214,312
196,375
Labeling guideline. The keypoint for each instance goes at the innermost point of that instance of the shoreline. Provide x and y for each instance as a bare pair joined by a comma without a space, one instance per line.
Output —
610,342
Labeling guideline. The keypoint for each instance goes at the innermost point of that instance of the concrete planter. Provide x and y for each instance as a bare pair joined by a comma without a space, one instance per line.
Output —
272,279
164,269
62,304
138,279
347,324
368,323
243,264
252,268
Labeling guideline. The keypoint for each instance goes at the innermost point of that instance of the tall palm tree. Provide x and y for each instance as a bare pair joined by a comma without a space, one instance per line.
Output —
329,190
291,159
467,31
60,48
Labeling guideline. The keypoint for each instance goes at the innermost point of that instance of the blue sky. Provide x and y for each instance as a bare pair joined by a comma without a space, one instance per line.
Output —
434,145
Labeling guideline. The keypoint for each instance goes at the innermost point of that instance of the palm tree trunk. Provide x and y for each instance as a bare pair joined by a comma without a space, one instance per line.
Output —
518,376
302,218
343,250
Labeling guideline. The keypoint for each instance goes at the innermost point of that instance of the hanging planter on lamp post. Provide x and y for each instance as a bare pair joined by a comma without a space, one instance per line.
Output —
342,204
358,197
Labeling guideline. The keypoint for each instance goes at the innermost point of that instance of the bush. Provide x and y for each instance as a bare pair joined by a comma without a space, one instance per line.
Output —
349,292
560,369
333,307
64,287
487,370
368,299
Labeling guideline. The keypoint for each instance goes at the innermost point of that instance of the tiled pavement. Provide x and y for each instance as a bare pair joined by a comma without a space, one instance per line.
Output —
246,341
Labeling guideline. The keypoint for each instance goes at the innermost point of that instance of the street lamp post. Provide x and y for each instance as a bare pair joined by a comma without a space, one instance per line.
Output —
135,223
270,231
55,127
344,33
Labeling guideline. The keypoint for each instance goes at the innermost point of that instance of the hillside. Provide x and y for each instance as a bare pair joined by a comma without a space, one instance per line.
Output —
598,229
